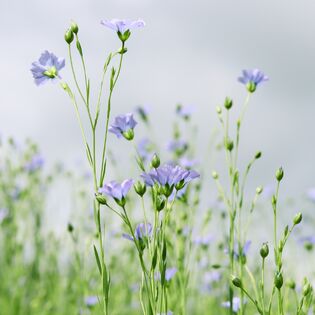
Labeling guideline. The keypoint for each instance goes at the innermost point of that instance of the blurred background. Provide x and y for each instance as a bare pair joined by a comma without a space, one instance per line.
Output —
189,52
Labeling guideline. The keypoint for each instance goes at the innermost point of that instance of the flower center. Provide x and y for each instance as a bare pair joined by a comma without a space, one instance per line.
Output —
51,72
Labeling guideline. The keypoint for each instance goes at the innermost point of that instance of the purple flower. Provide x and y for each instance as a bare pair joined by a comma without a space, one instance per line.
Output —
123,126
116,190
308,242
35,163
123,27
235,304
170,176
252,78
142,233
168,313
169,274
177,146
204,240
185,111
143,112
91,301
47,68
187,163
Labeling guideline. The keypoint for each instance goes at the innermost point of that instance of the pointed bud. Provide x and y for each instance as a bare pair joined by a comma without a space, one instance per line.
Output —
69,36
258,155
279,174
297,219
278,281
307,288
155,162
74,28
140,188
70,227
229,145
291,284
159,203
264,251
259,190
228,103
215,175
219,110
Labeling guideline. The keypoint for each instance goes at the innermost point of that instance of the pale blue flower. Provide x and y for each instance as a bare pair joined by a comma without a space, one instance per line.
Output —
90,301
47,68
35,163
236,303
252,78
123,126
123,26
116,190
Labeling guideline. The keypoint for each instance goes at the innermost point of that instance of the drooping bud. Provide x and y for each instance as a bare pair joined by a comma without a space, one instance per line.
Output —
155,162
298,218
140,188
69,36
264,250
74,27
279,174
228,103
101,198
236,282
278,281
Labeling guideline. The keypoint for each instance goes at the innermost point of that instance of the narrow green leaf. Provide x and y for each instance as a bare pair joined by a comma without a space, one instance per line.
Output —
97,259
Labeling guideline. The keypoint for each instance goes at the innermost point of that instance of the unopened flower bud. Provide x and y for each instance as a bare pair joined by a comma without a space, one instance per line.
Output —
259,190
236,282
159,203
74,28
297,219
69,36
291,284
140,188
215,175
258,155
101,198
307,288
70,227
279,174
155,162
228,103
278,281
264,250
219,110
229,145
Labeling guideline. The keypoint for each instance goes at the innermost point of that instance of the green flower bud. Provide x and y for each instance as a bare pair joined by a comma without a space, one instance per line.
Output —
70,227
236,282
258,155
291,284
155,162
259,190
101,199
159,203
297,219
308,246
251,87
215,175
229,145
219,110
69,36
228,103
140,188
129,134
307,288
279,174
264,250
74,27
278,281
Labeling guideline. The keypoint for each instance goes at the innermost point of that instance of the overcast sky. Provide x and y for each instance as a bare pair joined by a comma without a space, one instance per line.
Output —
190,52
